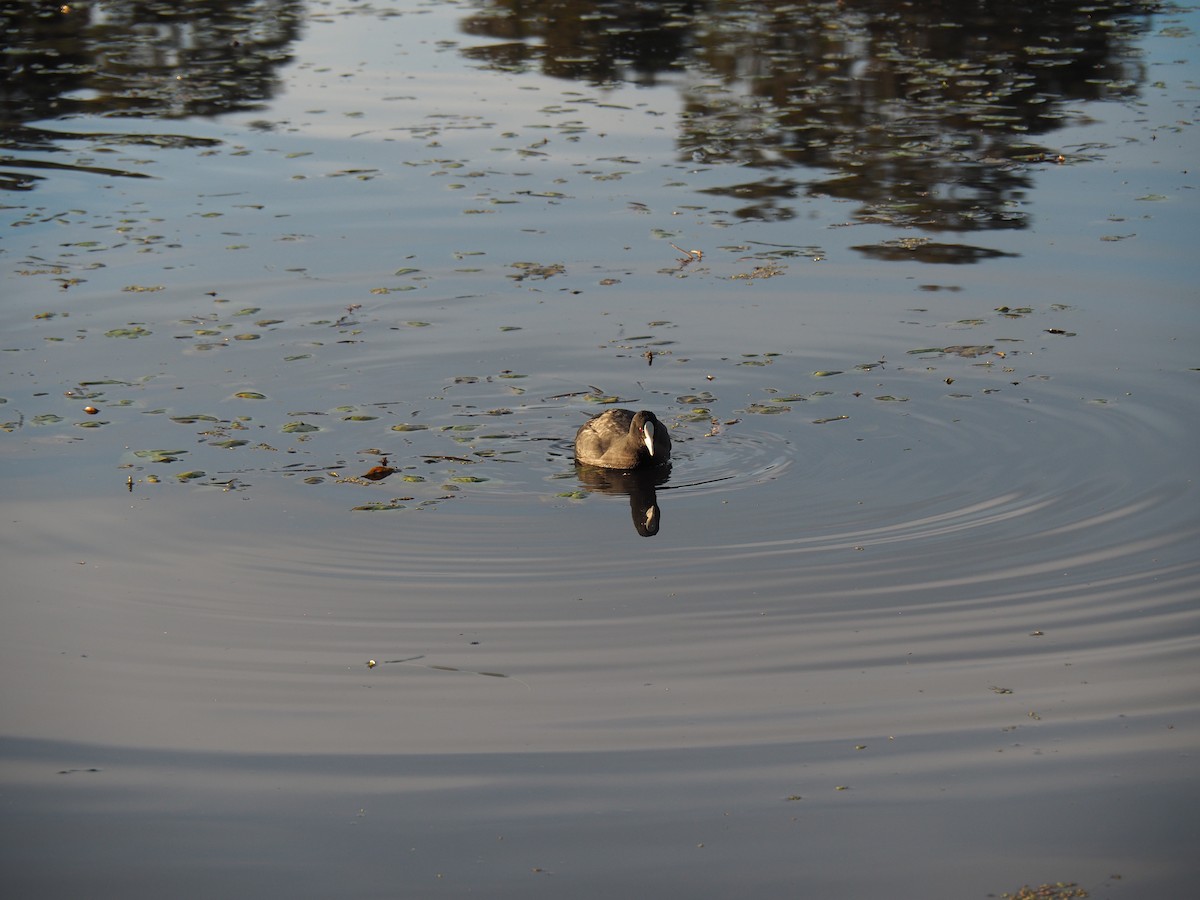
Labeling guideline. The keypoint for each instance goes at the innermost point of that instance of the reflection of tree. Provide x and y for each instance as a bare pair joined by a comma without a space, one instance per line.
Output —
142,58
600,42
924,114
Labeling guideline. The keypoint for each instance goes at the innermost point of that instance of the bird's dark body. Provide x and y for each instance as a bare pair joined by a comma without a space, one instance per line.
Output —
623,439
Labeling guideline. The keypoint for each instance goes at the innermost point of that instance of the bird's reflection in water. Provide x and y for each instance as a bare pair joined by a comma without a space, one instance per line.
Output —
640,485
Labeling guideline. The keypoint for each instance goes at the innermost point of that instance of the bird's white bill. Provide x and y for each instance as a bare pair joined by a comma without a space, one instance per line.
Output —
648,433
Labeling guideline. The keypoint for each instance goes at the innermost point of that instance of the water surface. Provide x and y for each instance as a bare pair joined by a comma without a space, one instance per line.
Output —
914,291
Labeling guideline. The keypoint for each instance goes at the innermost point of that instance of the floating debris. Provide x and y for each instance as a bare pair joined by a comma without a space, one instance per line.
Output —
378,473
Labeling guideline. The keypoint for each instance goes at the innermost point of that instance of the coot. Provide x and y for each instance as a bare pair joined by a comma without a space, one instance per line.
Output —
623,439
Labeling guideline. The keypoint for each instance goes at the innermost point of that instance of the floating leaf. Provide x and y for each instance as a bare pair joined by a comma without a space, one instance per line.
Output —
969,351
159,456
405,426
190,476
298,428
825,373
250,395
767,409
136,331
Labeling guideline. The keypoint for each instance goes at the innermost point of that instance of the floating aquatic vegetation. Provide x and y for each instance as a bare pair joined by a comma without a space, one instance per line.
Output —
190,476
540,271
298,428
967,351
159,456
758,273
250,395
407,426
134,331
767,409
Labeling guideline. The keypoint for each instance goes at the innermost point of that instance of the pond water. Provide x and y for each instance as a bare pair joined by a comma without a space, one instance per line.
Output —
915,292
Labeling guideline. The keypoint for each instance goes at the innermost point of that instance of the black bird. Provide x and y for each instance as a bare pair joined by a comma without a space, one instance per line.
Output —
622,439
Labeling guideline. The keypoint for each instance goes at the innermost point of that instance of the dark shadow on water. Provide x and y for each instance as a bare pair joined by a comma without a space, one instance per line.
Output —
640,486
